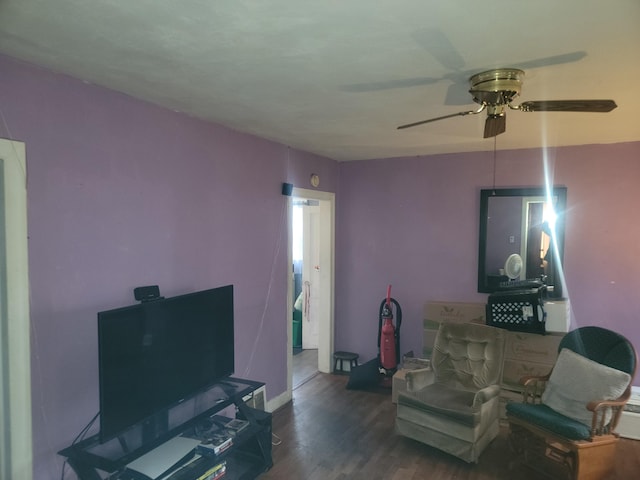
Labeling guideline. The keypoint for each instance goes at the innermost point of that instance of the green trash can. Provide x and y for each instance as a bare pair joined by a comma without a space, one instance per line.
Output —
297,329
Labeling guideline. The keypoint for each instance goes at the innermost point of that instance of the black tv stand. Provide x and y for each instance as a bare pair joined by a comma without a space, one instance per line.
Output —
249,455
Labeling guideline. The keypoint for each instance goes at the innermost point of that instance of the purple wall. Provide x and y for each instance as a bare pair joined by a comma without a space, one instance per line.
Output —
121,194
413,223
505,220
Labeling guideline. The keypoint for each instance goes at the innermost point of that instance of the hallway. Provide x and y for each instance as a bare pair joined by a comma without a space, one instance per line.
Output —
305,367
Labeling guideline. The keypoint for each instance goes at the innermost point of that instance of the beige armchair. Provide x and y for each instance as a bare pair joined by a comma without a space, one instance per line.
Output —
454,405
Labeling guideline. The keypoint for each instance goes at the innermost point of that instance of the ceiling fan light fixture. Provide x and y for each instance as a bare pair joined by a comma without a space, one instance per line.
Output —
494,90
496,87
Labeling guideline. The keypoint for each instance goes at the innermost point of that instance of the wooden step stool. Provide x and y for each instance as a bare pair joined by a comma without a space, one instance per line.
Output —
342,356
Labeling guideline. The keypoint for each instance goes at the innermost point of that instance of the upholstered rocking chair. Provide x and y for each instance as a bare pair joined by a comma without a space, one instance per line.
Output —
565,427
454,405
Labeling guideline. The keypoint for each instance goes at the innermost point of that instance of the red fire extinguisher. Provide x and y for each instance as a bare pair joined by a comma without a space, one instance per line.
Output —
388,334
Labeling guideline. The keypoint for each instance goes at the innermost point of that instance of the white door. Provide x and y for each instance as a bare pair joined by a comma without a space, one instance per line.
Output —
311,285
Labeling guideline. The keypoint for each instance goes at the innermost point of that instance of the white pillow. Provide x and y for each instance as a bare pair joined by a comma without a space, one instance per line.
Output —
576,380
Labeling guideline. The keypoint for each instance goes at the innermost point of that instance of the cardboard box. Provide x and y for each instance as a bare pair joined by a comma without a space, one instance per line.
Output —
528,354
454,312
531,347
514,370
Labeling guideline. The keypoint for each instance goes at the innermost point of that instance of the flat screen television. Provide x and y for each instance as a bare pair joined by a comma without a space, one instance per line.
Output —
156,354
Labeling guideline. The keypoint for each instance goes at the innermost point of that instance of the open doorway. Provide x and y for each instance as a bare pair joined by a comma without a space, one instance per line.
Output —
311,285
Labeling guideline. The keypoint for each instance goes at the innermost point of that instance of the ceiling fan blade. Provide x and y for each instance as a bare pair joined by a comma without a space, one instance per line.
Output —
495,125
601,106
459,114
434,41
553,60
390,84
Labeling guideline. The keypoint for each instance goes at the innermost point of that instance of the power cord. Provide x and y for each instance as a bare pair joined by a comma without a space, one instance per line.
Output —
79,437
274,264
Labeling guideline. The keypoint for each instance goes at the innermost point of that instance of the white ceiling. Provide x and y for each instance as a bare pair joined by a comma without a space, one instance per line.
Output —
337,77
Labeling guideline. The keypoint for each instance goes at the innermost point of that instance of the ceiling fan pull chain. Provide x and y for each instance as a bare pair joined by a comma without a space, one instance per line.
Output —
494,164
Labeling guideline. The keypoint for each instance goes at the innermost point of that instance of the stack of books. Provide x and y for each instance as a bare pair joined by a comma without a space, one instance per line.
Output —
197,469
215,444
220,436
215,472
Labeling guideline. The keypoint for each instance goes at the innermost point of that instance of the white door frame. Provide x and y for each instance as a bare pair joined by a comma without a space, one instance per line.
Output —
327,241
16,456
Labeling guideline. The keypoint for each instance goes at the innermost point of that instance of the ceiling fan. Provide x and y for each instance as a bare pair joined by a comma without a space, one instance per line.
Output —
494,90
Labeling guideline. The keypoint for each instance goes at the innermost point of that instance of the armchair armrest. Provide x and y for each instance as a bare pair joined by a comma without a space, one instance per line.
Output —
485,394
419,378
606,413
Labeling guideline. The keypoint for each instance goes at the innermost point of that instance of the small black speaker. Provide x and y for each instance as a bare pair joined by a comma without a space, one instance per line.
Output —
287,189
147,294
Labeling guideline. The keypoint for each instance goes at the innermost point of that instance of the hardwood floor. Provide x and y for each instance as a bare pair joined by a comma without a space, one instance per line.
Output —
305,366
331,433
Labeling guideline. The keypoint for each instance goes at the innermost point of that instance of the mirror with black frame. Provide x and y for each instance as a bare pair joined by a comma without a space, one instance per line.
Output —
521,238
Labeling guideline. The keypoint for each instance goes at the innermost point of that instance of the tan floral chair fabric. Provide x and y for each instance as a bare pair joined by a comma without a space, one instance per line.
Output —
454,405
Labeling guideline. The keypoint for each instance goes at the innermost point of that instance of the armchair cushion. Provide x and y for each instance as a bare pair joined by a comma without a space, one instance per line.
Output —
549,419
468,356
446,401
576,380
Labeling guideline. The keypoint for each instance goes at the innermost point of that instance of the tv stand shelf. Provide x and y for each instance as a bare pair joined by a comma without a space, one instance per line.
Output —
249,455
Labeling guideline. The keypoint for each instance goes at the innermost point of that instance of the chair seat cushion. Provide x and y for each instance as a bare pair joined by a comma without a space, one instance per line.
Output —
443,400
544,417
